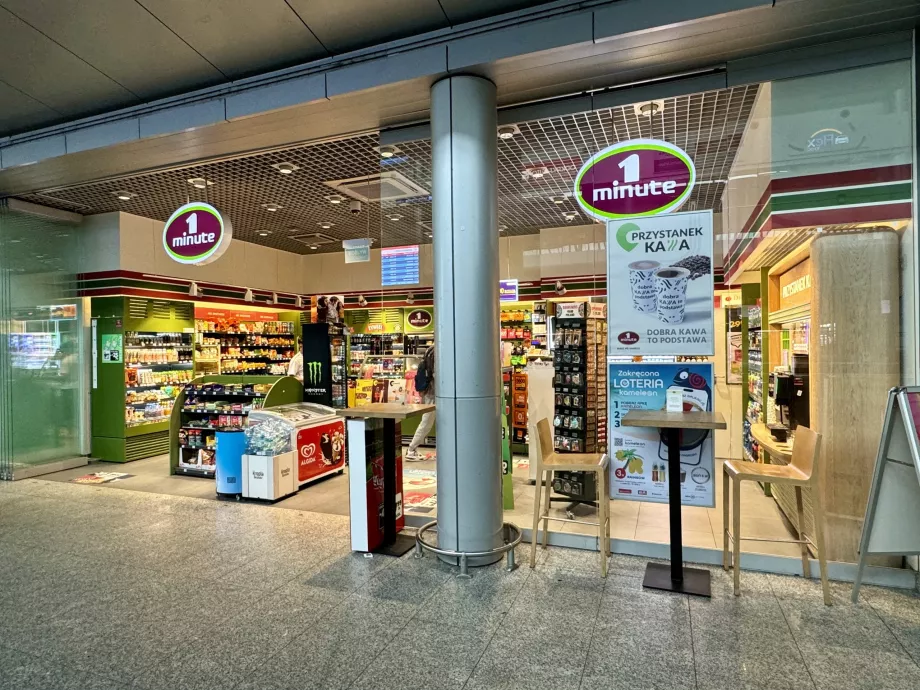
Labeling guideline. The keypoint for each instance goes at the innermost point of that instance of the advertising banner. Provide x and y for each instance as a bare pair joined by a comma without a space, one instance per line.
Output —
639,456
508,290
320,449
196,233
659,273
733,351
111,348
317,364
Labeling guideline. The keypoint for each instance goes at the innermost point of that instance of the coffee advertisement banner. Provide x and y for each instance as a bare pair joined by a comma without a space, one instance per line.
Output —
659,274
639,464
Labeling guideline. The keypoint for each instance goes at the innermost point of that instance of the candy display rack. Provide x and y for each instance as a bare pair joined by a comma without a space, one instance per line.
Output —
213,402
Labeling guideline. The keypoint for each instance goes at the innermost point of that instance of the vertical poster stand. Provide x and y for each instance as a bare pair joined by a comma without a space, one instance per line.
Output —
893,509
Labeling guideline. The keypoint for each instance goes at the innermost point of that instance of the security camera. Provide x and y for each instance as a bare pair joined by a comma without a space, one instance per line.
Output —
354,206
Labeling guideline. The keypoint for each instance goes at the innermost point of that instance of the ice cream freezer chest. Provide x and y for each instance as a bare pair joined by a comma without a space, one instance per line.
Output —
289,446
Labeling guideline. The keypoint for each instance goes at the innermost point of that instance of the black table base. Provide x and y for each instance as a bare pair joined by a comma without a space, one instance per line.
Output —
674,577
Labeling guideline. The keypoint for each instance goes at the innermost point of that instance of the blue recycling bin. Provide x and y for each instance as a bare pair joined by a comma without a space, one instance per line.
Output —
229,462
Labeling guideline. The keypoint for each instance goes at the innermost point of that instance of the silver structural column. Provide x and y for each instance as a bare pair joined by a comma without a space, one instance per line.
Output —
466,274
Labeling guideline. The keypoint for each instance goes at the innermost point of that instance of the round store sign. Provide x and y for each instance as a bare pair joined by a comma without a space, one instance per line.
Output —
197,233
639,177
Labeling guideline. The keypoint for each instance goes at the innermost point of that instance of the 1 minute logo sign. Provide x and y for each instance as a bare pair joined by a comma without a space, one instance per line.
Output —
639,177
196,233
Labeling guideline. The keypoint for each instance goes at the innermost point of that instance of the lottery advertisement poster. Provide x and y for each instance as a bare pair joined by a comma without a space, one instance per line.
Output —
639,456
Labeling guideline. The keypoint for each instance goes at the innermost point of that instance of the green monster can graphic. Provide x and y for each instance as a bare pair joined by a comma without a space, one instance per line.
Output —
314,373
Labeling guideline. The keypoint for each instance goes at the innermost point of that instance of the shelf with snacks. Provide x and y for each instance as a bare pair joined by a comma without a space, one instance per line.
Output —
212,403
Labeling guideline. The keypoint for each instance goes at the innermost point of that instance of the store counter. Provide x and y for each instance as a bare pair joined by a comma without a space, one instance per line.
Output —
375,495
769,445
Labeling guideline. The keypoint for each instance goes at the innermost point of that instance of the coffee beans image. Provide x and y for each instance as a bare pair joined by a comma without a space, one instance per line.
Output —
698,265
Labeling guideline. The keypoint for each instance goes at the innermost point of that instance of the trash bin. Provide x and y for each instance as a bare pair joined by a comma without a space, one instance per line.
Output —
231,445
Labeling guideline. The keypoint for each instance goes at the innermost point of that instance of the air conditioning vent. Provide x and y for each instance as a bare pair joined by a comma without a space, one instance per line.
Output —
384,186
314,238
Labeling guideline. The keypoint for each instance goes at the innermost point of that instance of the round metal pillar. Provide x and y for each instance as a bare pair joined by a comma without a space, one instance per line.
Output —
466,275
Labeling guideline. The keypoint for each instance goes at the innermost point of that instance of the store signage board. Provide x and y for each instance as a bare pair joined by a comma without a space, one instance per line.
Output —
399,265
111,348
196,233
571,310
893,508
317,364
508,290
639,177
208,314
639,455
733,346
357,251
660,269
419,321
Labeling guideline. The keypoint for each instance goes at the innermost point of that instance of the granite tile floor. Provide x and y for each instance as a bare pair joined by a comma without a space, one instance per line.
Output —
105,590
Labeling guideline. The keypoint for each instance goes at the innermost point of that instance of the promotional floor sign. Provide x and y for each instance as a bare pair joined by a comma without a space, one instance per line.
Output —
659,270
639,455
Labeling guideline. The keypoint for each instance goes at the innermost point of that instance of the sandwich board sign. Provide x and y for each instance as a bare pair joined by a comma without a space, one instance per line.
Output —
893,509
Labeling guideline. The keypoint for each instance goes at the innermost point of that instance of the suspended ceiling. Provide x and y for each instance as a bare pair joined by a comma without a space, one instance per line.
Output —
536,170
64,59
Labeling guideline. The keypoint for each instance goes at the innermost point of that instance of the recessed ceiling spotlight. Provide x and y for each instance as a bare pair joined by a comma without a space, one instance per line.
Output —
394,217
507,132
285,168
428,234
388,151
569,216
200,182
650,108
335,198
264,233
502,228
325,225
313,246
557,199
537,173
124,196
272,207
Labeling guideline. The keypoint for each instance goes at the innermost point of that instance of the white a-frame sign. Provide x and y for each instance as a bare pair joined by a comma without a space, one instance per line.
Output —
892,524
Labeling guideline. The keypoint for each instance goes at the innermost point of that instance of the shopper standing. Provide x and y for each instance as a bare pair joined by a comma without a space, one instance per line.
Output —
424,384
295,368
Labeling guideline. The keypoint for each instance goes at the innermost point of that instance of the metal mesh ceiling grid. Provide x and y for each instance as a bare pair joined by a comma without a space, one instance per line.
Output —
536,165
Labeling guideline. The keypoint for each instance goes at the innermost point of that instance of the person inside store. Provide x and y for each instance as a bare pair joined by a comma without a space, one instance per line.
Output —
295,368
424,384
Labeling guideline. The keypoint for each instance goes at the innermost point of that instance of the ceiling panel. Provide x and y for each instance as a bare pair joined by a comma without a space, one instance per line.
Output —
537,164
122,40
344,25
240,37
467,10
42,69
17,109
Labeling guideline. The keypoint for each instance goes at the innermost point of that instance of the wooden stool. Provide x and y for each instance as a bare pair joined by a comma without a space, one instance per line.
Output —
548,462
802,471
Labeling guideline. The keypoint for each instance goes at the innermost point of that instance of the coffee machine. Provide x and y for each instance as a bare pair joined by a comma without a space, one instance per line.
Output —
789,393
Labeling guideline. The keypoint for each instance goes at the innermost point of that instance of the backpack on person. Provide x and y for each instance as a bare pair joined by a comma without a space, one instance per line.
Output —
424,374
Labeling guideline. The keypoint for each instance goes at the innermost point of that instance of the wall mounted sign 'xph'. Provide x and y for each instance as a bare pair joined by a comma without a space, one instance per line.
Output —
639,177
196,233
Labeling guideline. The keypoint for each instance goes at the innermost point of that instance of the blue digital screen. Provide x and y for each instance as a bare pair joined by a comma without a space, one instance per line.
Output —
399,265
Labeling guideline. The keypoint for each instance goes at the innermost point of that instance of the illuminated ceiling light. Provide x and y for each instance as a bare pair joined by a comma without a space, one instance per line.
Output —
428,234
507,132
569,216
272,207
394,217
502,228
264,233
325,225
285,168
335,198
388,151
200,182
124,196
537,173
313,246
557,199
649,108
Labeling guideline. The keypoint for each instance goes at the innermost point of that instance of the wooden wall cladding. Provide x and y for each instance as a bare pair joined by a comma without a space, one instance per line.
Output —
855,360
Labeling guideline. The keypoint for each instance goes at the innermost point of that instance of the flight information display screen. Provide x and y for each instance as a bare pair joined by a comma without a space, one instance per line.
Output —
399,265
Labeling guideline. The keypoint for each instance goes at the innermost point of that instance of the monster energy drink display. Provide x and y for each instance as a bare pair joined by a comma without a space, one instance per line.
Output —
639,455
317,364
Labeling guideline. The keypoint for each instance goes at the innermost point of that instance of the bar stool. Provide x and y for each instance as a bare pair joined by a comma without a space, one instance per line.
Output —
548,462
801,472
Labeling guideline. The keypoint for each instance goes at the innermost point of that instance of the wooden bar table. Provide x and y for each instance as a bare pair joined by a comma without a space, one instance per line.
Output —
675,578
375,476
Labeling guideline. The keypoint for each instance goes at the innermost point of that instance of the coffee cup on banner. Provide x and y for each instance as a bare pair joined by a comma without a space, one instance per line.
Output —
642,285
671,293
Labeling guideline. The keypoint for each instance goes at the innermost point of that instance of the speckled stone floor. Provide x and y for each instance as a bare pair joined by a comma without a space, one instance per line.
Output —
104,589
